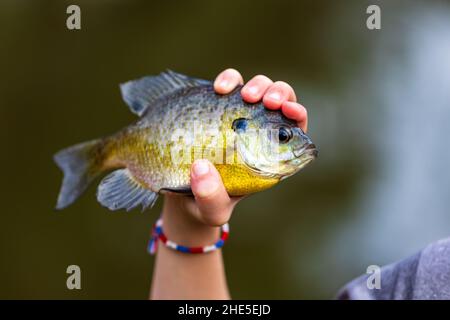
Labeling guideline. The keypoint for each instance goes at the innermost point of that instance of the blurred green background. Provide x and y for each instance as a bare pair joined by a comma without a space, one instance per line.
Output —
378,104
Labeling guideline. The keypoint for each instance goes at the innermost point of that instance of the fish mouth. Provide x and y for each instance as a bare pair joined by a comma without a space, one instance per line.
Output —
309,151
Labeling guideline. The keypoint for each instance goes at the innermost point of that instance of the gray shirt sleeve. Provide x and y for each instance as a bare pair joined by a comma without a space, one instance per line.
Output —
425,275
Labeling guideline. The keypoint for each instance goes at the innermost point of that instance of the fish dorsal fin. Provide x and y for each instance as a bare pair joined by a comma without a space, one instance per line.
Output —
119,190
141,93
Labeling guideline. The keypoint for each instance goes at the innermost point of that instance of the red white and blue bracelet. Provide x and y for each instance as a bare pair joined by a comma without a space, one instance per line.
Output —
158,234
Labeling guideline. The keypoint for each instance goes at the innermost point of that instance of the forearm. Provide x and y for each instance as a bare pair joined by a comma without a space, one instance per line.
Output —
179,275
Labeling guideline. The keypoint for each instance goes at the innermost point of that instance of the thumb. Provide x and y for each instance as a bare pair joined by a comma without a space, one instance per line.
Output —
211,197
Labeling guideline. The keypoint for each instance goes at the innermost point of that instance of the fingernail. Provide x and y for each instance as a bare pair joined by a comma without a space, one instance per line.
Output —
253,90
224,84
206,187
200,168
275,96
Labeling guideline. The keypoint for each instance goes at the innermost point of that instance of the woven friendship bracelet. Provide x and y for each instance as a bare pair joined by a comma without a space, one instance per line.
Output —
158,234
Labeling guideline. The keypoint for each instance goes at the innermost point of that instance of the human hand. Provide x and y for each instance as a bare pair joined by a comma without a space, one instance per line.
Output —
194,221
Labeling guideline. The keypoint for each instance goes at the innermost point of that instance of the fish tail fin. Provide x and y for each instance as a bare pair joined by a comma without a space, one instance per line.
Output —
80,167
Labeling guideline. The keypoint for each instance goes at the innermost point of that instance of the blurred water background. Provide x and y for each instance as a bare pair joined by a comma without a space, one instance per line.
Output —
379,108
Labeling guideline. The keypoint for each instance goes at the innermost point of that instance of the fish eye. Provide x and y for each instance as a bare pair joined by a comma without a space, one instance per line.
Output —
284,134
239,125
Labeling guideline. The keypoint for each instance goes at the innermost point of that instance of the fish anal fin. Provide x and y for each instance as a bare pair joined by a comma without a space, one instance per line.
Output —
120,190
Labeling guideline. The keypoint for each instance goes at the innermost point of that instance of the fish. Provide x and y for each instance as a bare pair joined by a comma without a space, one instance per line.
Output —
181,119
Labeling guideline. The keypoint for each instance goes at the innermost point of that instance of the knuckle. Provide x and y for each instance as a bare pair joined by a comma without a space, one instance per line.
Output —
230,72
261,78
282,85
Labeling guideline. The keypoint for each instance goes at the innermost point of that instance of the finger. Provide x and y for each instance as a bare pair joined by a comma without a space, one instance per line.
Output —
297,112
254,90
278,93
227,80
211,197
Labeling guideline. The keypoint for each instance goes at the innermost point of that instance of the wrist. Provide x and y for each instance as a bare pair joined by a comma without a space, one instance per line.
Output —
181,226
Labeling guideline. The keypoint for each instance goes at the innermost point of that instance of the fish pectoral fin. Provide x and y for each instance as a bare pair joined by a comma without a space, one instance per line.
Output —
120,190
141,93
181,190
